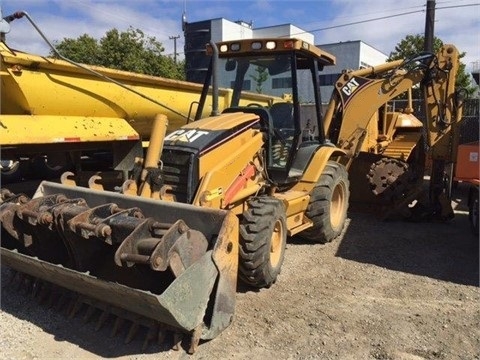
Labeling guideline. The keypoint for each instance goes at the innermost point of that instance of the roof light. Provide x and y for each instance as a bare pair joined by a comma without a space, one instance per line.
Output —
257,45
235,47
288,44
223,48
270,45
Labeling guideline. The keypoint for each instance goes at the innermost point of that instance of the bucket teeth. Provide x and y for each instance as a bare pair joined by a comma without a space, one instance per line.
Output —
54,294
132,332
75,308
102,318
177,341
36,287
161,336
116,327
195,339
28,284
63,298
44,293
149,337
88,314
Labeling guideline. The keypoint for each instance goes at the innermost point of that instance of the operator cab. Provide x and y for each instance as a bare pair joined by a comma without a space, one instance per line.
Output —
286,73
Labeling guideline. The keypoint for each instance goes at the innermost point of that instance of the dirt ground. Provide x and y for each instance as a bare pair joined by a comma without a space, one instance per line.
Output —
383,290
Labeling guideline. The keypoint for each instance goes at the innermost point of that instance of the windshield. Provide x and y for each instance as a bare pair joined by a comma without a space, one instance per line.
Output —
253,79
266,77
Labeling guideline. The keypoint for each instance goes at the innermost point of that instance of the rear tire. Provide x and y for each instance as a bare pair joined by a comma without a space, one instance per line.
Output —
263,237
328,204
11,171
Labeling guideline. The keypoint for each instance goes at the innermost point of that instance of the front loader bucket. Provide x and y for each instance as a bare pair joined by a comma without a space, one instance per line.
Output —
173,264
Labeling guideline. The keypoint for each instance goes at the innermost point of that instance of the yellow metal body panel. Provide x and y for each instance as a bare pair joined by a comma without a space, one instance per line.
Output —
316,168
35,85
47,129
403,145
220,167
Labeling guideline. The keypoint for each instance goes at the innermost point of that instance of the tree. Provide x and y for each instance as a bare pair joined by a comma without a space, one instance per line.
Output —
260,78
131,50
412,45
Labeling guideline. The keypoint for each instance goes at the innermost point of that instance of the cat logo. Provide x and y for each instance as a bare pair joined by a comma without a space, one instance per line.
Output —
350,87
187,136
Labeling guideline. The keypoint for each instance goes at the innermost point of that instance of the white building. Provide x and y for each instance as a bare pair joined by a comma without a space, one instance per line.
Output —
349,54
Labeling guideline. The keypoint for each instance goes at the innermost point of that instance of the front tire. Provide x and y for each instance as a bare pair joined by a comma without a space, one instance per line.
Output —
263,237
328,204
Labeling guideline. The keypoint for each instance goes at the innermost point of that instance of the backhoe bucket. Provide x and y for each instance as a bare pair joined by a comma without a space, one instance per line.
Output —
172,264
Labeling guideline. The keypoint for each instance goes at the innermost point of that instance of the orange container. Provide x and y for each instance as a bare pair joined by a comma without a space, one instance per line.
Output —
468,165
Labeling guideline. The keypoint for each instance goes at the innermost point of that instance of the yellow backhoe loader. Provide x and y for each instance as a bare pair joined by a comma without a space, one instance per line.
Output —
219,196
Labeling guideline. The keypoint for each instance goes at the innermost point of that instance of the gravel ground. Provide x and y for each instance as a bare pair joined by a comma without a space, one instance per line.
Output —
383,290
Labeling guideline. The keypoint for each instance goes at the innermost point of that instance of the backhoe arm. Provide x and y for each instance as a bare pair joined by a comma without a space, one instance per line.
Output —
360,93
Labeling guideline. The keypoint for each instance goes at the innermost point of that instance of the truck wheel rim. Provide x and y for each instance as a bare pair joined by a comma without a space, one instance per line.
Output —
276,243
337,205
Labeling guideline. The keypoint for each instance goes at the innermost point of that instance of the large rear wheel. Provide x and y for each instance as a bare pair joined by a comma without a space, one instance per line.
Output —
263,237
328,204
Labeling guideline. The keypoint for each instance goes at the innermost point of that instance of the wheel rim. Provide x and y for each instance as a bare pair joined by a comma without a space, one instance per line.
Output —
276,243
7,166
337,205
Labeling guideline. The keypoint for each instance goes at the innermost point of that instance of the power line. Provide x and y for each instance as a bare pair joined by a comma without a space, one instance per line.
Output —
364,21
376,19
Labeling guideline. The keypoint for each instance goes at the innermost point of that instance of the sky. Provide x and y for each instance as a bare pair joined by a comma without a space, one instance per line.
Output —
456,21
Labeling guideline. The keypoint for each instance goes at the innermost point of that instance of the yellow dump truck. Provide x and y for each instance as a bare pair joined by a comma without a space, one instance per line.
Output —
53,111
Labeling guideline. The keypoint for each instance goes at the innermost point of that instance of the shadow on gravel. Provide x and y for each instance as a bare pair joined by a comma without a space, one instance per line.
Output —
444,251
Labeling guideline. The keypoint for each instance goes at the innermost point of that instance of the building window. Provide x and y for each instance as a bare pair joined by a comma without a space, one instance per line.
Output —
246,85
282,83
364,65
328,79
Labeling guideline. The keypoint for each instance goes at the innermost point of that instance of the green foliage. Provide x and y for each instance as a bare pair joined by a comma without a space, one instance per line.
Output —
260,78
412,45
131,50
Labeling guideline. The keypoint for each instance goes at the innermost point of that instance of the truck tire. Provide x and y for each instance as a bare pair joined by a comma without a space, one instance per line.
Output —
11,171
473,212
263,237
328,204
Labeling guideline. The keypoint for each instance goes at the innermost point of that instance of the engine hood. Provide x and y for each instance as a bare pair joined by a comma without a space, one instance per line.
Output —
204,135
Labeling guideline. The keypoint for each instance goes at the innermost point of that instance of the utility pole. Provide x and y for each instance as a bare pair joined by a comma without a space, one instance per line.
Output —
440,177
174,38
429,26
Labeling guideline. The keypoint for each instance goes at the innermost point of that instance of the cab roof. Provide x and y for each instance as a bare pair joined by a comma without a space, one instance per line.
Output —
264,46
